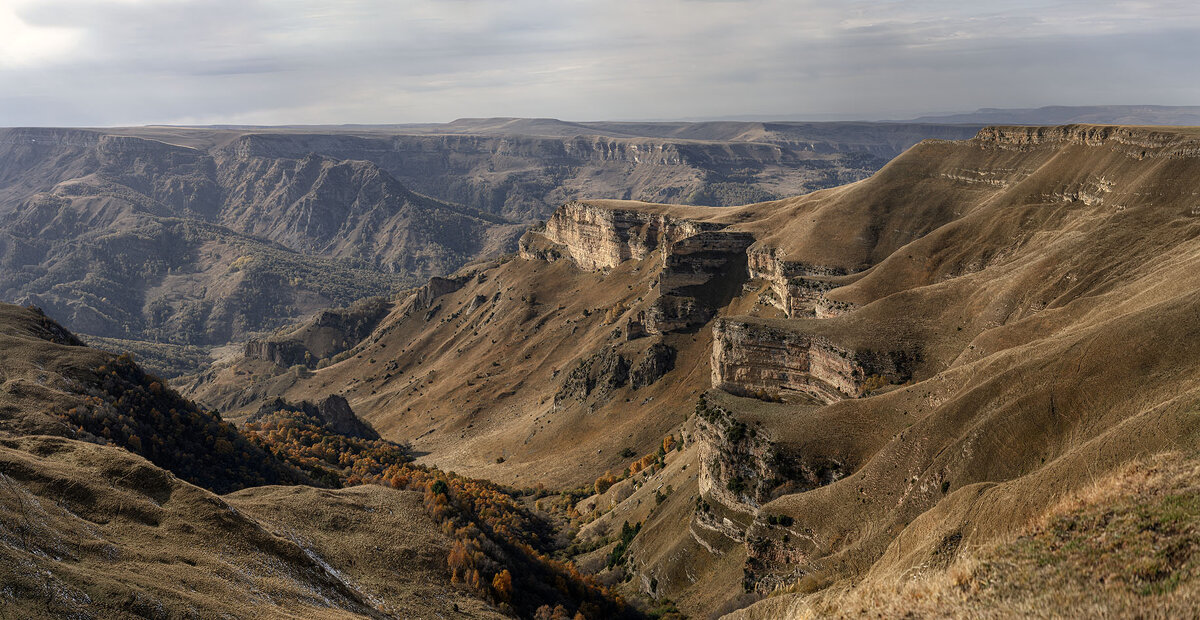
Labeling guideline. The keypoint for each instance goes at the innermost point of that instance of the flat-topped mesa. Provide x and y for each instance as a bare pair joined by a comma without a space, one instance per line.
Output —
1137,142
762,358
602,237
799,288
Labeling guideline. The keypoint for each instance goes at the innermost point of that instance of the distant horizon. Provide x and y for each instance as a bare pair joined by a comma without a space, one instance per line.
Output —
930,117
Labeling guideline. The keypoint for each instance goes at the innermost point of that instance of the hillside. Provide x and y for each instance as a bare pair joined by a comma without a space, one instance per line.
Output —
865,382
90,529
164,247
522,169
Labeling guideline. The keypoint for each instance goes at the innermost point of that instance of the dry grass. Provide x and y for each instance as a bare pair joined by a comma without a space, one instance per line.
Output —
96,532
1124,546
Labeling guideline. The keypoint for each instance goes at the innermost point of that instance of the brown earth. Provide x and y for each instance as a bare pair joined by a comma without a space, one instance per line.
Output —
976,332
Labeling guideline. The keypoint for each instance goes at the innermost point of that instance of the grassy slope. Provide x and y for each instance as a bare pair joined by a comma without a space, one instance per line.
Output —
1123,546
91,531
1047,276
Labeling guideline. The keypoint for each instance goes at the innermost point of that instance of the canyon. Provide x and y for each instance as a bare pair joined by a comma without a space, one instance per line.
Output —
847,400
155,240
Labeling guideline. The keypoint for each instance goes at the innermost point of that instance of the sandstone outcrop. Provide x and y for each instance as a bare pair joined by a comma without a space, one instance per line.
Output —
1136,142
703,266
700,274
278,352
759,357
436,287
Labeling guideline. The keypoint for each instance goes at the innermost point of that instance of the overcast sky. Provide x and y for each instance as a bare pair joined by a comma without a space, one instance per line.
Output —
117,62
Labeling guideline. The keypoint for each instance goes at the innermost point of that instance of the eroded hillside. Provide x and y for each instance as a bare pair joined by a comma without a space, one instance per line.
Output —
158,247
865,381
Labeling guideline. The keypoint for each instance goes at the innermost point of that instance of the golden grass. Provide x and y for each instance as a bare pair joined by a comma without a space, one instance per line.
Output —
1123,546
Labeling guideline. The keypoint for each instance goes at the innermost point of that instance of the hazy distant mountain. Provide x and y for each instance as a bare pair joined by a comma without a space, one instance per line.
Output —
129,238
1062,115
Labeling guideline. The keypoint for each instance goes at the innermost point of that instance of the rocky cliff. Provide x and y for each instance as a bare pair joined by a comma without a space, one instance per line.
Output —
775,359
798,288
602,235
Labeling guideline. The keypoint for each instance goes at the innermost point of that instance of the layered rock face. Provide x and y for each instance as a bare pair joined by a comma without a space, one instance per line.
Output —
1136,142
702,265
602,237
281,353
799,288
757,357
700,274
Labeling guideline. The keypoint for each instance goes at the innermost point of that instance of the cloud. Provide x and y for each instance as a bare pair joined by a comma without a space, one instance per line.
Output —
104,62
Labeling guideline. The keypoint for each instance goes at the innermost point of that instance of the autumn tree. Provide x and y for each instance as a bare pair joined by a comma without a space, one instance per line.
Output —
502,585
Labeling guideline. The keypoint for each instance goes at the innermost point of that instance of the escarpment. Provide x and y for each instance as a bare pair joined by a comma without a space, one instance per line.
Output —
1137,142
775,359
599,235
799,288
701,266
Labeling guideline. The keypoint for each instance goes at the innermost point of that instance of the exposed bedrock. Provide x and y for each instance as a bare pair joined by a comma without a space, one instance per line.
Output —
436,287
737,463
702,266
743,467
1135,142
279,352
596,377
772,359
601,237
799,287
700,274
332,410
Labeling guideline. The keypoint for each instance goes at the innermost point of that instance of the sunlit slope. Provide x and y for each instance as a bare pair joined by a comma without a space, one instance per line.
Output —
928,359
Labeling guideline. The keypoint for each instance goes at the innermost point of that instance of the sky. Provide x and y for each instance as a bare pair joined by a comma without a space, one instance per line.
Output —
135,62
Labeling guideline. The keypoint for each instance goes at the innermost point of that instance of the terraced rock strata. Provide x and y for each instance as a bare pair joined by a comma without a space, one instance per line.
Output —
599,235
773,359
